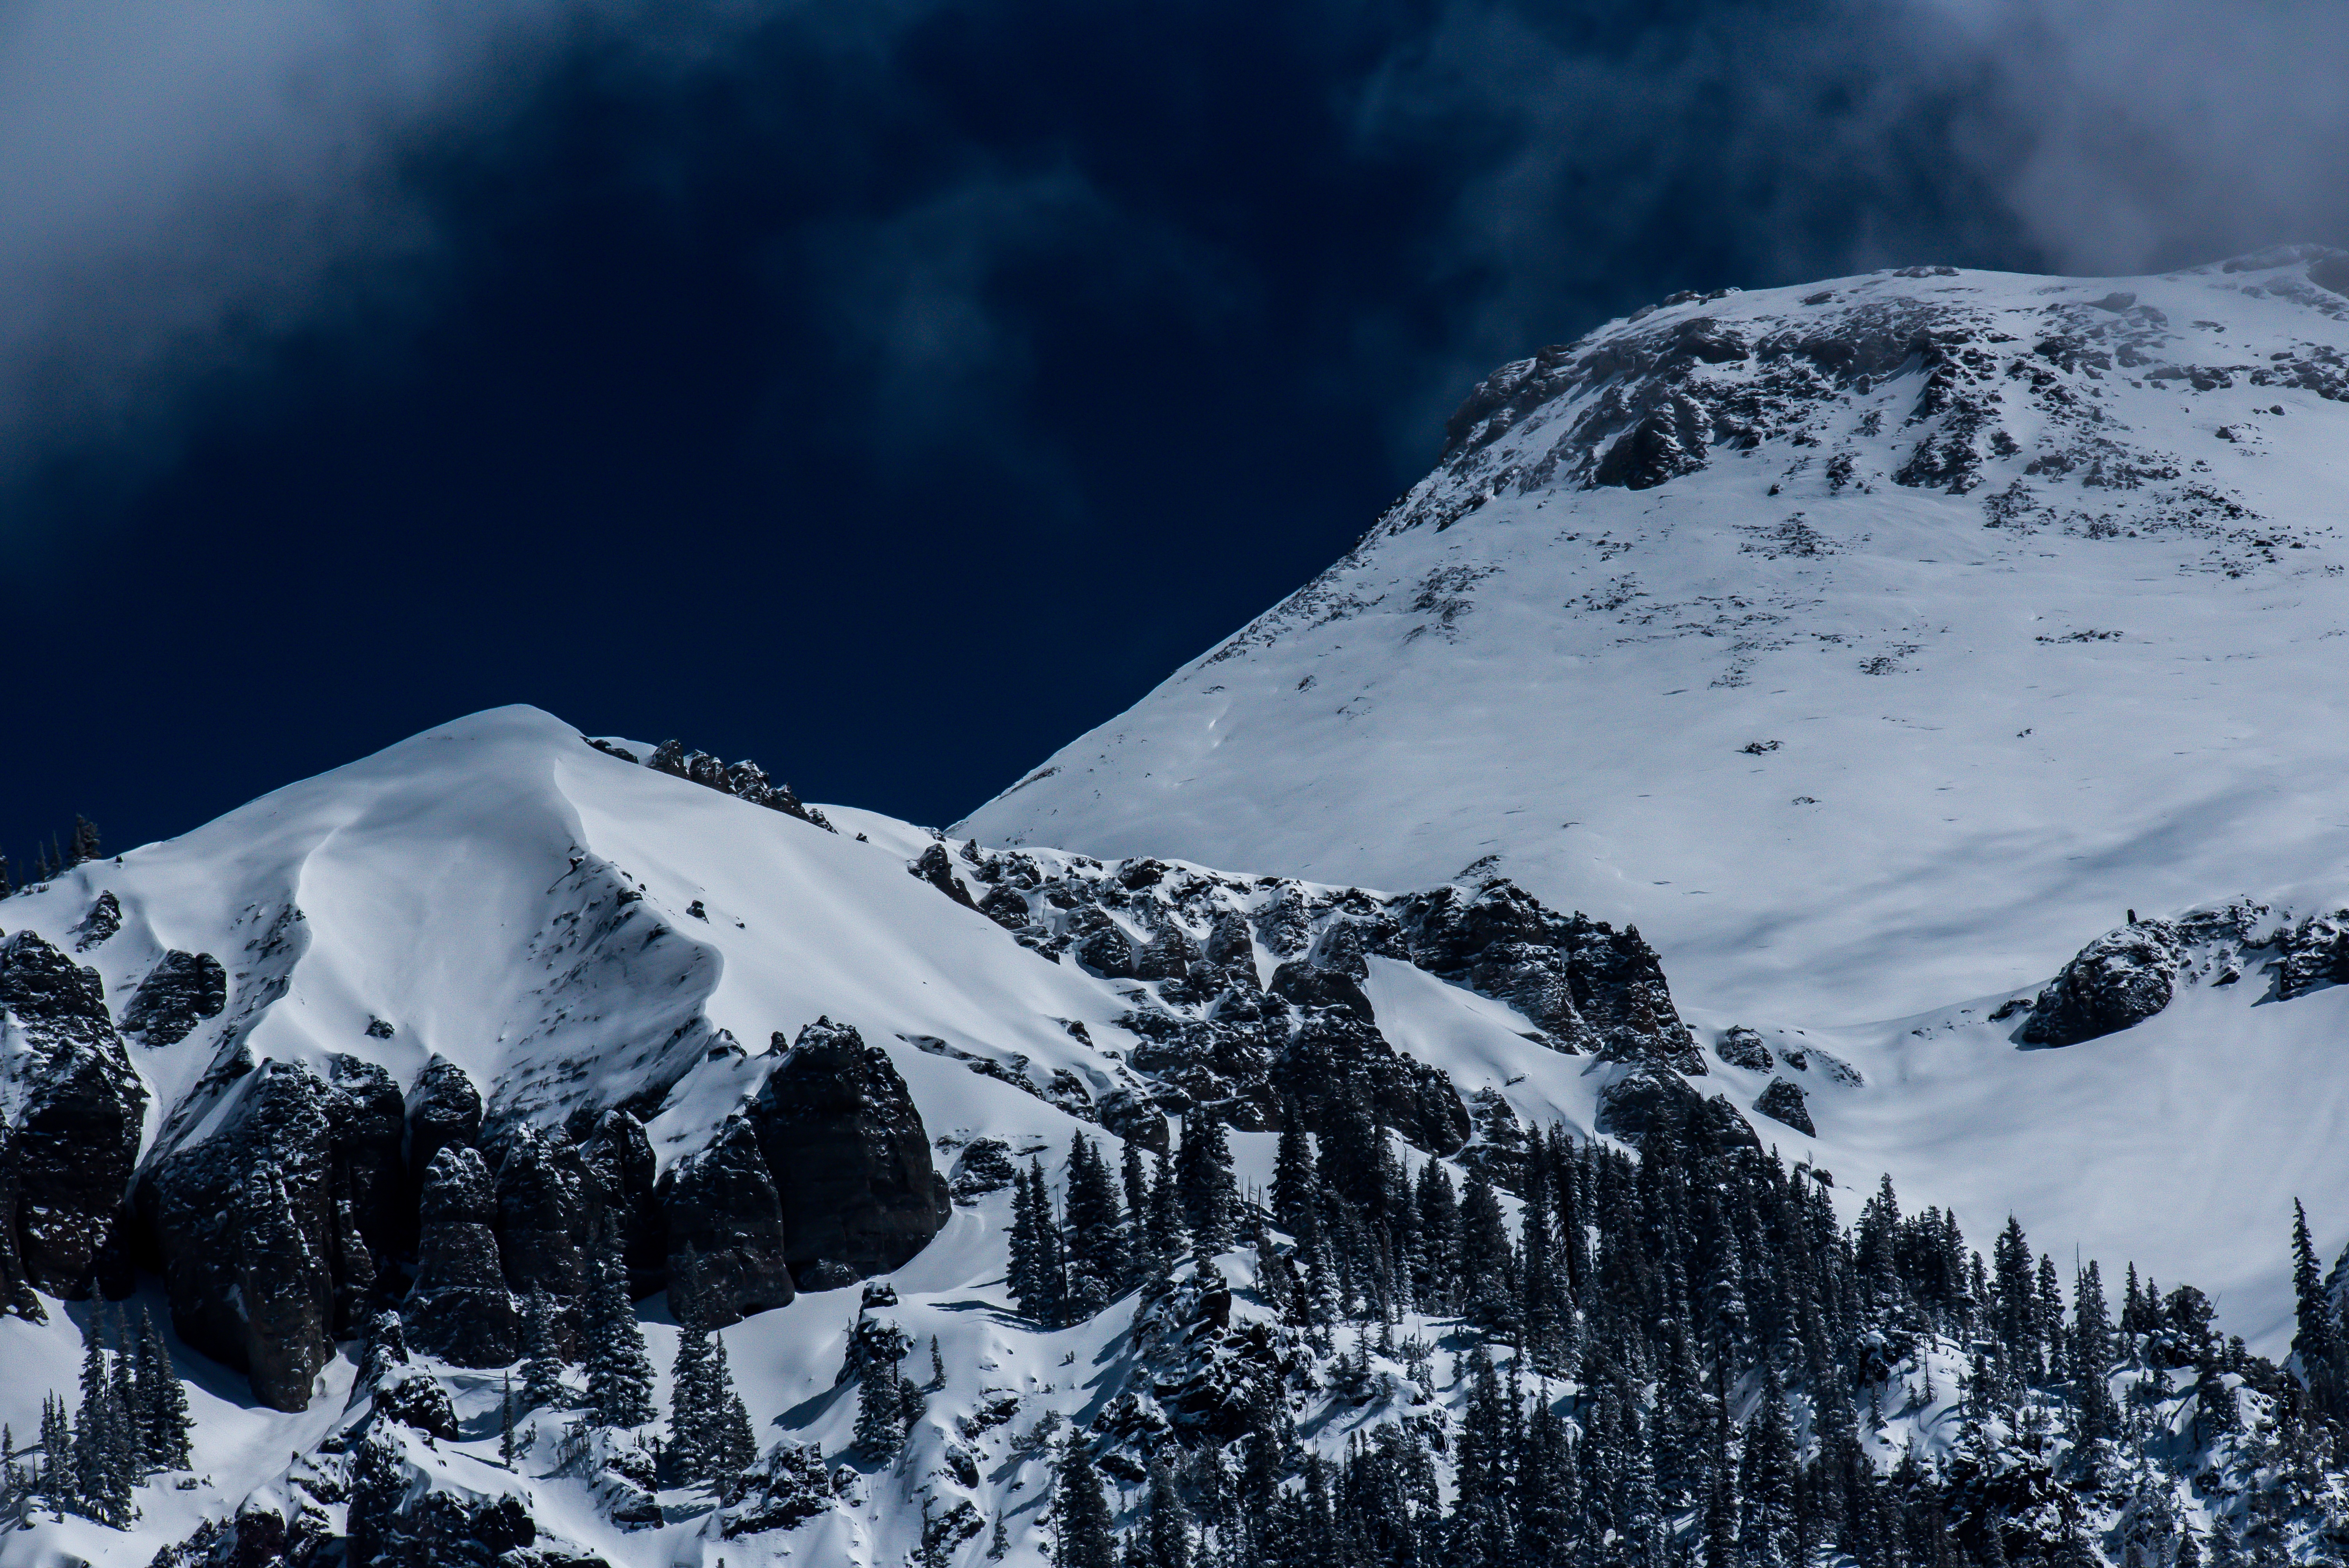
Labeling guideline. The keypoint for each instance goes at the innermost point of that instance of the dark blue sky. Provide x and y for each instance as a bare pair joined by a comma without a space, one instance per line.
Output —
891,404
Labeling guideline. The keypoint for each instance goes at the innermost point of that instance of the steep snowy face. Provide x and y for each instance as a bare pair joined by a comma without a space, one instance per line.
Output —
1869,644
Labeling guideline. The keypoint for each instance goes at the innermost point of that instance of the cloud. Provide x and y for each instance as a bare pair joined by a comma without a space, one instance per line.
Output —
181,185
1619,153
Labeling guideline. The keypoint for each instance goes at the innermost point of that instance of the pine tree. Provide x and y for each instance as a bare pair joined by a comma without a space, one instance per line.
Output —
57,1484
1096,1227
879,1415
1165,1535
1145,1261
542,1366
163,1400
1037,1272
1080,1515
1168,1239
692,1437
2316,1343
1203,1170
505,1419
619,1374
734,1447
1487,1272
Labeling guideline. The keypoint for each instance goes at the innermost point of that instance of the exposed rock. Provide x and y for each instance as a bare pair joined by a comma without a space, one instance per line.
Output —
459,1308
182,991
1335,1058
849,1154
1167,956
1310,985
1135,1117
76,1135
1783,1101
1004,905
1231,949
2120,979
104,919
2316,955
787,1487
1651,1099
983,1167
367,1117
444,1109
248,1229
1741,1047
1587,985
545,1222
726,1231
934,867
1105,948
618,1159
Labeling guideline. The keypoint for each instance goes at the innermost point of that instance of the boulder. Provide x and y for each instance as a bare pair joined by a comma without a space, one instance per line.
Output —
2316,955
1105,948
726,1231
850,1157
459,1308
1783,1101
1650,1100
1741,1047
75,1137
934,867
2117,981
180,992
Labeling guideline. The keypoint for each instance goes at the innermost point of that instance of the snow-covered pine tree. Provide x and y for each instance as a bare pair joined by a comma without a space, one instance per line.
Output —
1143,1261
1095,1245
164,1423
692,1441
733,1446
84,845
1038,1274
55,1481
1080,1515
619,1373
2317,1341
1168,1238
542,1354
1488,1288
1164,1538
880,1433
1203,1173
506,1418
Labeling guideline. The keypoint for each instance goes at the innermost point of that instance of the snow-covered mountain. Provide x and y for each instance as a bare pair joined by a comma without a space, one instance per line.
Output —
1869,645
1933,647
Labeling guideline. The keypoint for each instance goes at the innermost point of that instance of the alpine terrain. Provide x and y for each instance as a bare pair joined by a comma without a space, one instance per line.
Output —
1753,979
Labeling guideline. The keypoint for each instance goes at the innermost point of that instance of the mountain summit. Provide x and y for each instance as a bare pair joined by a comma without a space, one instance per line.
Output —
1867,644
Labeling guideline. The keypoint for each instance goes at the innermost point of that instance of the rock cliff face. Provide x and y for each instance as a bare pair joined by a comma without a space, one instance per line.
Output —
459,1308
66,1159
727,1235
849,1153
257,1242
2121,978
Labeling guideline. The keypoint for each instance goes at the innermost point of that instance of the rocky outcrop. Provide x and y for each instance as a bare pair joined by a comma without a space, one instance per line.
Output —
745,780
182,991
934,867
443,1108
619,1161
850,1156
75,1137
1336,1060
1741,1047
545,1222
367,1120
1586,986
459,1308
726,1231
2316,955
249,1234
1651,1101
1783,1101
2119,980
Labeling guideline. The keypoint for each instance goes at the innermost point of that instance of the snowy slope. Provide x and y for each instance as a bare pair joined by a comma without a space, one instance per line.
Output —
1869,645
573,931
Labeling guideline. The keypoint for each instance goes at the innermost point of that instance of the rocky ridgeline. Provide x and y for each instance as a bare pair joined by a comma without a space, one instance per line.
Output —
745,780
285,1200
1245,991
2131,973
1999,394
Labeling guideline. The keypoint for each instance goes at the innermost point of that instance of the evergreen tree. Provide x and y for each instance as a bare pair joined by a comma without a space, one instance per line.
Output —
733,1447
880,1414
1203,1173
2317,1342
1096,1227
1487,1268
1081,1516
542,1365
1037,1279
1166,1535
506,1419
1145,1261
84,845
619,1373
1168,1239
57,1484
163,1400
692,1439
